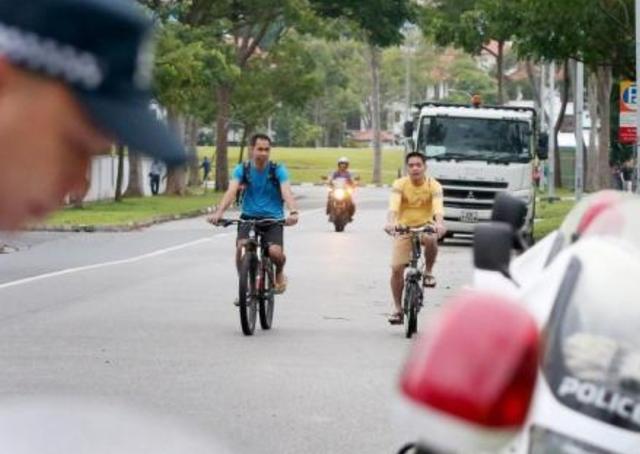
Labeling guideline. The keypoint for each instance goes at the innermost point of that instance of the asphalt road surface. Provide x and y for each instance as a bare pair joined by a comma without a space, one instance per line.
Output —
146,318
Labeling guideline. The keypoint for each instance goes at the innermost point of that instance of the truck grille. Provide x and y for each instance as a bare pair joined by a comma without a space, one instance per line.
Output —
468,194
468,205
474,184
471,195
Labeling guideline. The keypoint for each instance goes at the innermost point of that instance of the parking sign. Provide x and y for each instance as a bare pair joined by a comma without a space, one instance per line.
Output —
628,112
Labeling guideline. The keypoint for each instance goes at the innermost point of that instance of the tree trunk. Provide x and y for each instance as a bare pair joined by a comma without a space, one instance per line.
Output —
316,118
377,146
134,189
243,142
120,174
192,151
500,72
592,154
605,80
176,176
566,87
223,103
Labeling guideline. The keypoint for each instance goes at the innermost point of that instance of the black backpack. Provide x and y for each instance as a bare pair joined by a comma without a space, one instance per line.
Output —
246,179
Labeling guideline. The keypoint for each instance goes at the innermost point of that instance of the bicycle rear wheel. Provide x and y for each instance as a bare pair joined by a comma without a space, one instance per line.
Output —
247,294
411,306
266,295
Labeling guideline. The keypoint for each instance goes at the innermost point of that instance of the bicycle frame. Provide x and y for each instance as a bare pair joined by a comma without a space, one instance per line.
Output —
413,293
254,243
257,276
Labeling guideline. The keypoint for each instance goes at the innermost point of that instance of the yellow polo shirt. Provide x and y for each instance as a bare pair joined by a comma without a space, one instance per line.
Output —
416,205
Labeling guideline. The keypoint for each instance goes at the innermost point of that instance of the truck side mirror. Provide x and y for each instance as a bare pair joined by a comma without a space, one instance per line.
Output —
492,244
543,146
408,129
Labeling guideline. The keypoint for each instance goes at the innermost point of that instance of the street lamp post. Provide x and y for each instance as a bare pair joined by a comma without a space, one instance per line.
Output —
579,108
552,136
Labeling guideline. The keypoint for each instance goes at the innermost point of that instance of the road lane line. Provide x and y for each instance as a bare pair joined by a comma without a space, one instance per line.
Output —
39,277
78,269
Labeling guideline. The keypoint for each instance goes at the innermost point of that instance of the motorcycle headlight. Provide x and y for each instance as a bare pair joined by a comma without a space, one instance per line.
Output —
545,441
339,194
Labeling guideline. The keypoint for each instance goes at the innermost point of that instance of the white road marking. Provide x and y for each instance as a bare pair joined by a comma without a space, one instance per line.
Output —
39,277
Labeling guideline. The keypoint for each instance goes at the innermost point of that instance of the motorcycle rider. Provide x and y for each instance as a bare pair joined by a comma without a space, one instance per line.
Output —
416,200
343,173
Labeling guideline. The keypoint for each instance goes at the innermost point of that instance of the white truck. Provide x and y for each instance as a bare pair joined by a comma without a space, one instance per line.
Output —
475,153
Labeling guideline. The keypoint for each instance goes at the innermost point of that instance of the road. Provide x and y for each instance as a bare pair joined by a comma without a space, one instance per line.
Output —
147,318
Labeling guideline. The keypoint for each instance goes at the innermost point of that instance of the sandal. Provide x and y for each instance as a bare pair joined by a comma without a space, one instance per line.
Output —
396,318
429,280
279,289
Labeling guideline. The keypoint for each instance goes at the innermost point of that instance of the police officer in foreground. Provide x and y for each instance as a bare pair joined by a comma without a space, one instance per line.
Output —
74,77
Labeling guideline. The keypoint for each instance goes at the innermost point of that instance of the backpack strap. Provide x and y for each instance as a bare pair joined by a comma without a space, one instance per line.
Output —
273,169
273,176
246,173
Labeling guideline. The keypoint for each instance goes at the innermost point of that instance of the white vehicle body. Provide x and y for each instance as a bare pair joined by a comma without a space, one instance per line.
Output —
582,293
587,396
482,151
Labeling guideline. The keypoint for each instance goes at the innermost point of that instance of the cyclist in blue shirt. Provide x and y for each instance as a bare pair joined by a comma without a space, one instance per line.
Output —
265,189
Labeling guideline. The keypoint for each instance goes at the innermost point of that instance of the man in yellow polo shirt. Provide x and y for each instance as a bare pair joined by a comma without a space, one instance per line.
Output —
416,200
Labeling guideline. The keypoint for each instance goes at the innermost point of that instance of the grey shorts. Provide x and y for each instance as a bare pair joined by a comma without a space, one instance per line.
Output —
271,234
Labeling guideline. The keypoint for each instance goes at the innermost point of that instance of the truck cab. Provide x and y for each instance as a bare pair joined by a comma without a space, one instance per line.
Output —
475,152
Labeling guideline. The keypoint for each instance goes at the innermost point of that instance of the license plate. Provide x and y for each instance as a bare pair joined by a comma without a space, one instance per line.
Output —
470,217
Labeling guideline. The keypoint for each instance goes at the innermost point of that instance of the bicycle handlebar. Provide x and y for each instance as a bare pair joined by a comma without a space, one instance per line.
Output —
425,229
228,222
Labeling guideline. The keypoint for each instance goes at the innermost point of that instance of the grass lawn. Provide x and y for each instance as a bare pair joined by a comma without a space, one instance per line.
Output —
307,165
551,214
131,210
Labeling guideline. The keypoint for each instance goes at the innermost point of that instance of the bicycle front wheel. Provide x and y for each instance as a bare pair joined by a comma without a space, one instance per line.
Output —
247,294
411,305
266,295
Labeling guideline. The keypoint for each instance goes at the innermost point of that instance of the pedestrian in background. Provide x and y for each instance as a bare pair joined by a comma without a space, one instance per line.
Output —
206,168
154,176
626,173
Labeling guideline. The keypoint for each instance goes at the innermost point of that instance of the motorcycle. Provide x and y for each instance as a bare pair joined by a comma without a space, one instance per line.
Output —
341,205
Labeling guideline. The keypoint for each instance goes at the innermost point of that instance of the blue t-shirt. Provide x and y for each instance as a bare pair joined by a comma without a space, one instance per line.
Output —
262,198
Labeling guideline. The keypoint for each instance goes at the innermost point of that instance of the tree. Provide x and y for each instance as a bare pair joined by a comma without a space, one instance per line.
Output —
245,29
284,78
469,79
473,25
134,188
187,69
120,172
599,33
380,23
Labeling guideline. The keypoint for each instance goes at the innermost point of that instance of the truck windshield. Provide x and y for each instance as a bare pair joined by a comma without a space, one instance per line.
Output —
475,139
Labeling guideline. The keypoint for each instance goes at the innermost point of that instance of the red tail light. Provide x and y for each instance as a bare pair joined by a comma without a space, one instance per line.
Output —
478,365
594,211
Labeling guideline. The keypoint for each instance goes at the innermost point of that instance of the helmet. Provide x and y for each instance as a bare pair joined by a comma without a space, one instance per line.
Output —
343,160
